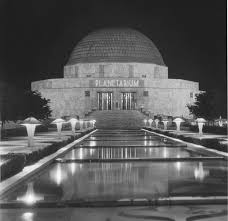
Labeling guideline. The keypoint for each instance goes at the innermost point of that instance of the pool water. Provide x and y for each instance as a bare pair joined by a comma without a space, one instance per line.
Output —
107,181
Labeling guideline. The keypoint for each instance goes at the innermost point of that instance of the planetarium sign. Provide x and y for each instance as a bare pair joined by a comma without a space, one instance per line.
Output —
117,83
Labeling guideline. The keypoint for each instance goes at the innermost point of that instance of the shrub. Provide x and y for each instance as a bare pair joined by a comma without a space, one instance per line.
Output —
14,163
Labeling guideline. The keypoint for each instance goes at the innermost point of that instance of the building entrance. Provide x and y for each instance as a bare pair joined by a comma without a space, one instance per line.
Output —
104,100
128,100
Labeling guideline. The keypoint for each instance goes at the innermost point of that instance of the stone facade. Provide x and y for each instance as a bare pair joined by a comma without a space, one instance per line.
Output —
120,64
165,96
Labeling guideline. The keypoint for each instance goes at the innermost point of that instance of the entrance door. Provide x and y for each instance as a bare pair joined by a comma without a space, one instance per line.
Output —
128,100
104,100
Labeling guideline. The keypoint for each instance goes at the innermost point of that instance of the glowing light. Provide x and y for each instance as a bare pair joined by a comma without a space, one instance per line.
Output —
81,124
200,173
165,154
201,122
59,122
145,121
156,122
30,123
28,216
150,122
73,155
72,168
80,153
165,122
92,143
178,166
58,175
30,197
73,122
178,122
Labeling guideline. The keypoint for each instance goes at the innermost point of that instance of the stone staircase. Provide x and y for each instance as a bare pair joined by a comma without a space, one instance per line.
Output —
118,119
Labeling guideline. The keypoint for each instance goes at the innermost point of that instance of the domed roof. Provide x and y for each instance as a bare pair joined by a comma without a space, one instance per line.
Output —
115,45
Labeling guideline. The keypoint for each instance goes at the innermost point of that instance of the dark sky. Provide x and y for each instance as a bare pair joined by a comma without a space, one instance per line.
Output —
38,36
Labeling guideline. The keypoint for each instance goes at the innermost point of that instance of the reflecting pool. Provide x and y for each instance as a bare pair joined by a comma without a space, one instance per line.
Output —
108,181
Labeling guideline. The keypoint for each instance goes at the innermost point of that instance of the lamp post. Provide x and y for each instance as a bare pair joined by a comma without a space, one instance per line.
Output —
178,122
201,122
94,121
30,123
156,122
145,121
150,122
220,121
87,124
73,122
165,122
81,124
59,123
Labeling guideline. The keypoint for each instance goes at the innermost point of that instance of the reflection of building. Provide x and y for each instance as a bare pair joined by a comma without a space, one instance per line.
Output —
114,69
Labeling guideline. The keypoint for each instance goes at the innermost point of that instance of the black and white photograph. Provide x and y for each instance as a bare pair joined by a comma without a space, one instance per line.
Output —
113,110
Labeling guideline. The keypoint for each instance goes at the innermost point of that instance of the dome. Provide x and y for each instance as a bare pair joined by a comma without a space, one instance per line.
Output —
115,45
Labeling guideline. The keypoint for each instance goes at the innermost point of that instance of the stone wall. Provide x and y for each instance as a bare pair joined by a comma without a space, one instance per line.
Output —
87,70
165,96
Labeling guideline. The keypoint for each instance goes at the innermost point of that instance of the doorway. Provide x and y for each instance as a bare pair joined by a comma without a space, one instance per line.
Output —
104,100
128,100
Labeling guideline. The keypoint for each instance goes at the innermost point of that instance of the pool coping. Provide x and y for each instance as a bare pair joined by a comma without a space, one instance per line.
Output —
117,160
32,169
162,201
189,143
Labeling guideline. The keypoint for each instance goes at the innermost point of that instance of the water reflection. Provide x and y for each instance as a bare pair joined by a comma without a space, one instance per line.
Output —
92,143
58,174
30,196
200,173
80,153
27,216
110,174
108,181
165,153
178,166
128,153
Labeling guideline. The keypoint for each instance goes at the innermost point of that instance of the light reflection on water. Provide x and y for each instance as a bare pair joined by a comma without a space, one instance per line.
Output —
123,180
128,153
30,197
200,173
107,181
27,216
58,174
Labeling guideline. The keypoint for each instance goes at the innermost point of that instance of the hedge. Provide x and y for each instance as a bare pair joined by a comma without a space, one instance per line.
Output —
14,163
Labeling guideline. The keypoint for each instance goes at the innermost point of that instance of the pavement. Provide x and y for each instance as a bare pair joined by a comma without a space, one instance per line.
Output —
19,144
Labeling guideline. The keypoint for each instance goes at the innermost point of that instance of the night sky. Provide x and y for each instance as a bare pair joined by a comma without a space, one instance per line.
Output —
38,36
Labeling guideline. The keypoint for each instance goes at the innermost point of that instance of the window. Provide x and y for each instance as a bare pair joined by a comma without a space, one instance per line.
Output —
131,71
144,76
87,93
88,75
76,71
145,93
191,94
101,71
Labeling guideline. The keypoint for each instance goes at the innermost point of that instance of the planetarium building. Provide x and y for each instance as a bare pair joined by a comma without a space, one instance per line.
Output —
117,69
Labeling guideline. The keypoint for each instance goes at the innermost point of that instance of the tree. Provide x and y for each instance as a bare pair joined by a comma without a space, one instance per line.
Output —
204,106
19,104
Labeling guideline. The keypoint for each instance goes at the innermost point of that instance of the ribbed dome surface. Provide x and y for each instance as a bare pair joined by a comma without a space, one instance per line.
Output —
115,45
